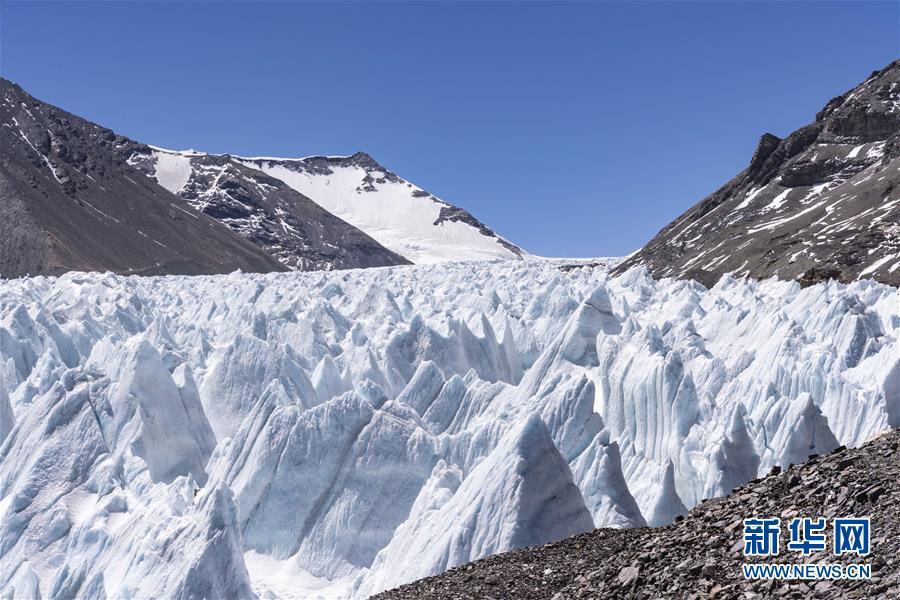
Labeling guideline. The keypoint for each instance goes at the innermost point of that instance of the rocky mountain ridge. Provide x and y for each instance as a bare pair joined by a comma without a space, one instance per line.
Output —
824,202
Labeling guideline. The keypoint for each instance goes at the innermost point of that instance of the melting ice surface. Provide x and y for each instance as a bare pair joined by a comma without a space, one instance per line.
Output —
308,434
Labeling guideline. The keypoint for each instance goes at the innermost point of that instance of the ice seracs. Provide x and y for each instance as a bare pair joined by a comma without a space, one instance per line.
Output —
798,429
304,432
734,458
91,487
7,418
164,424
521,494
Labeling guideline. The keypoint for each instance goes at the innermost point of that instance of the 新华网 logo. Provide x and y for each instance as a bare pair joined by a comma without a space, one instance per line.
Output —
806,536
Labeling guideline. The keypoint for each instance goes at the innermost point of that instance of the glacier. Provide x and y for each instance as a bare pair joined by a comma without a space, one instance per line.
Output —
302,435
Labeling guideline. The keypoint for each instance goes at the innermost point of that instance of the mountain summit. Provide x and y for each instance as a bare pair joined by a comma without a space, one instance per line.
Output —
822,203
399,214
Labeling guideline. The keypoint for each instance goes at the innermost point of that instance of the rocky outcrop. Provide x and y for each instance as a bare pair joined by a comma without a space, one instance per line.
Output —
822,203
700,556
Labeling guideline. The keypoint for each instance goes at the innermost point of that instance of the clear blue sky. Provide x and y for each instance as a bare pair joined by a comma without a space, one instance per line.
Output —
574,129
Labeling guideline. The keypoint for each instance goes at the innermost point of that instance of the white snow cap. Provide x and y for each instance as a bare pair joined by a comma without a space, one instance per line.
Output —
397,214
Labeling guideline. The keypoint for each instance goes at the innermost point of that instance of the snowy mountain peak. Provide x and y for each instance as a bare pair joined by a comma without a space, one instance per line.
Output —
286,224
400,215
67,178
404,218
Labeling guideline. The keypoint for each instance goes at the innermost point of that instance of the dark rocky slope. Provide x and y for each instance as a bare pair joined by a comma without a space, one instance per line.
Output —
700,556
69,201
822,203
